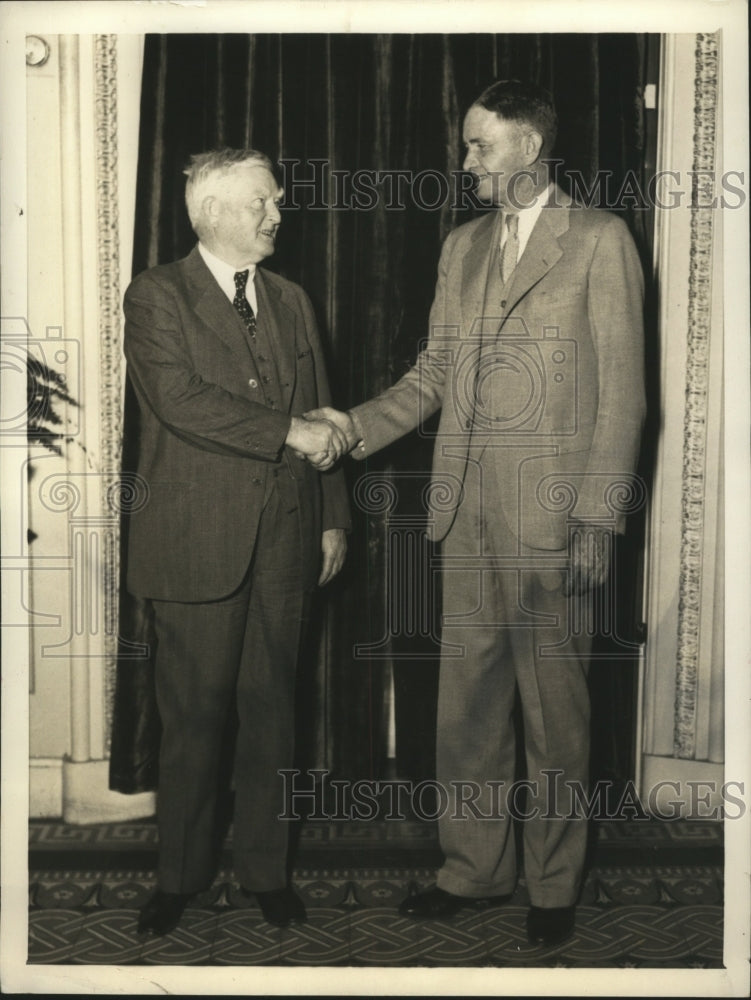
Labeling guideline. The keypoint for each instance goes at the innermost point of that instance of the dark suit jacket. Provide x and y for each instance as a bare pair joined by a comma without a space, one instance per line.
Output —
208,437
557,407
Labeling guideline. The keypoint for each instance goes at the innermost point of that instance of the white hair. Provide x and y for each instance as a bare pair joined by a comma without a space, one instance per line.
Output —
203,170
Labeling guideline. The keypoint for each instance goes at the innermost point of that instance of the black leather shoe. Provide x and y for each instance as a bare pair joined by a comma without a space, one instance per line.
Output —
280,907
436,903
550,925
162,912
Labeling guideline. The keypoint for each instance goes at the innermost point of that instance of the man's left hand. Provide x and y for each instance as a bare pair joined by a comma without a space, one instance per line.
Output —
334,549
589,558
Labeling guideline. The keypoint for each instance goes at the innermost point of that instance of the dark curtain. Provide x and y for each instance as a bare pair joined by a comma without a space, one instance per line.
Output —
362,102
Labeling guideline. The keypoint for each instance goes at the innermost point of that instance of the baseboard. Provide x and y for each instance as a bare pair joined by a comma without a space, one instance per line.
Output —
688,789
79,793
45,788
87,798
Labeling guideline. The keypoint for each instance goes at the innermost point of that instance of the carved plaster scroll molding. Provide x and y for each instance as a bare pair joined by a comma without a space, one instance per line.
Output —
696,399
110,399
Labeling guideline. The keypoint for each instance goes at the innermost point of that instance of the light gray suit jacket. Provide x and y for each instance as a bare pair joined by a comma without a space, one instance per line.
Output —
542,379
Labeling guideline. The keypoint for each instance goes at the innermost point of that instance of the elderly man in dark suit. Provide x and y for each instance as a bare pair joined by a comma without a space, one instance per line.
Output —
535,359
225,358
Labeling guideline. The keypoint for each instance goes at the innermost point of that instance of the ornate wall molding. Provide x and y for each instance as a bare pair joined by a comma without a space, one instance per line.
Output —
110,337
696,395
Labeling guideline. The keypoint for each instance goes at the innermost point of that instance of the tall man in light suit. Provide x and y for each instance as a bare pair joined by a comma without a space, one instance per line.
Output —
534,357
238,528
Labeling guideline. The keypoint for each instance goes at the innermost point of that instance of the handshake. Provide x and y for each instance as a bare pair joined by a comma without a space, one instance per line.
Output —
322,436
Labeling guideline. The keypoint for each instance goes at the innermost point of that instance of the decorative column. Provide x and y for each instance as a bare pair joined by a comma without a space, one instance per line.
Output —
75,499
73,324
410,564
683,675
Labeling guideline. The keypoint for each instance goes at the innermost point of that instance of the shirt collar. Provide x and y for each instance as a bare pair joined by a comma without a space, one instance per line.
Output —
533,210
528,216
224,273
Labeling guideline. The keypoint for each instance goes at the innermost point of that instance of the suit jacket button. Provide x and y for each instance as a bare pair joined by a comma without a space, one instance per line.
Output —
256,481
503,303
252,383
467,423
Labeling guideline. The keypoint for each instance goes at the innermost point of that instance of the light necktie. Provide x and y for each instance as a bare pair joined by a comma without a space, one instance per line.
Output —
241,303
510,252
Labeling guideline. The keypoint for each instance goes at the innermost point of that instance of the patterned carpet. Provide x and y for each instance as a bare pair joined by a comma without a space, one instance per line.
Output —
83,906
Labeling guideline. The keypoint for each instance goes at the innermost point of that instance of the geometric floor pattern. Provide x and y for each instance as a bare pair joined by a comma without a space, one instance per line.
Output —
640,916
642,837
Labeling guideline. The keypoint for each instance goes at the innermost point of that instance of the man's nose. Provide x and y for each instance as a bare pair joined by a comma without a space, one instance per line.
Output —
470,160
273,214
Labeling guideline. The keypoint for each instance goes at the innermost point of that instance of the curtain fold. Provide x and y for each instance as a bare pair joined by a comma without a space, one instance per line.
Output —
359,103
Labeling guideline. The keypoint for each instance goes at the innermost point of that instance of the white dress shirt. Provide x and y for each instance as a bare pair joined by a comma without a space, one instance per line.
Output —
527,218
225,277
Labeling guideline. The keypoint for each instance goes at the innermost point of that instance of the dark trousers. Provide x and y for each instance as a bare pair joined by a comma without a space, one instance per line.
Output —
245,647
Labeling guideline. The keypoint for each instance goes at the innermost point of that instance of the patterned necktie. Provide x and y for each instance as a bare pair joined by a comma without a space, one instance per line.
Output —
241,303
510,251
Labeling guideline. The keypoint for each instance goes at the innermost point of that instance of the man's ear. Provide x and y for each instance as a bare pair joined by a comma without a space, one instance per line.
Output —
210,208
532,144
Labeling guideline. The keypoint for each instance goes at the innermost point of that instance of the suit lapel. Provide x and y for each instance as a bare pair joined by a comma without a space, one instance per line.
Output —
217,312
213,307
279,320
543,250
475,274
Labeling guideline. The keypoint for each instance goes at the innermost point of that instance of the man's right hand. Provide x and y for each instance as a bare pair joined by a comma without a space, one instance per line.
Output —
320,441
340,419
